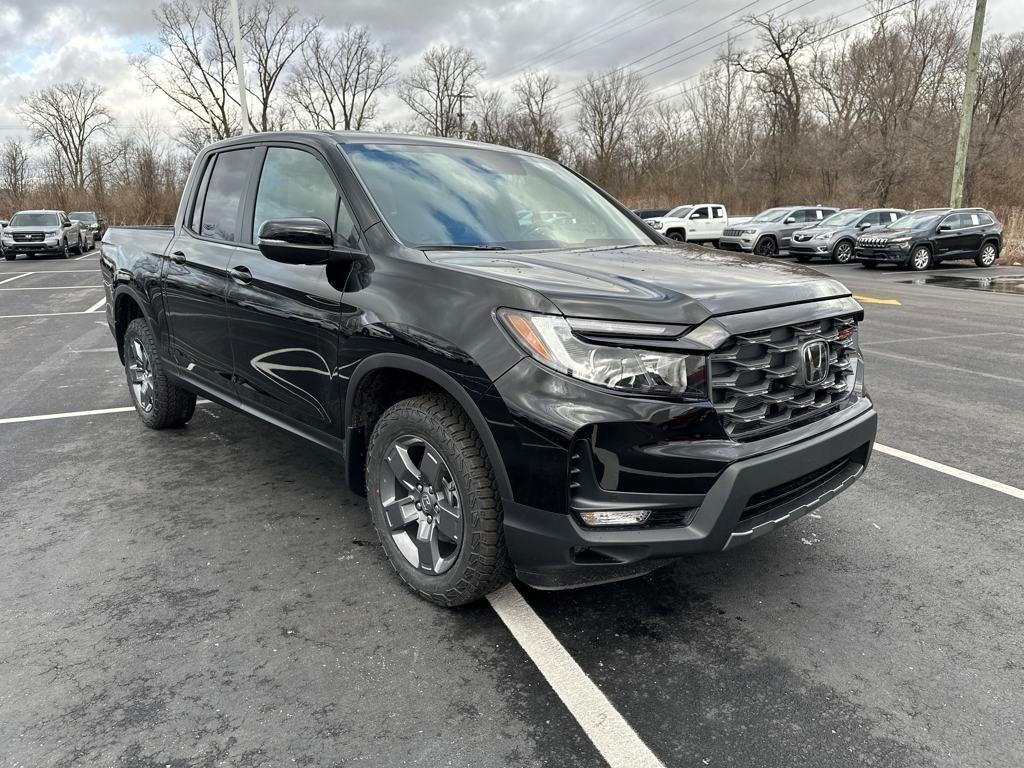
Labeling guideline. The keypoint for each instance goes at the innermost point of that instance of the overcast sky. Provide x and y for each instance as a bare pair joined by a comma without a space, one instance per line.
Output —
44,41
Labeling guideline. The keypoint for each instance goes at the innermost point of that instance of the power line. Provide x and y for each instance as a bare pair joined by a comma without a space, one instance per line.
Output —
578,38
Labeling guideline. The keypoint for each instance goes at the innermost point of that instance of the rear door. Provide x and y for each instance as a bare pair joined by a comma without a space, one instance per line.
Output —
285,318
972,228
196,269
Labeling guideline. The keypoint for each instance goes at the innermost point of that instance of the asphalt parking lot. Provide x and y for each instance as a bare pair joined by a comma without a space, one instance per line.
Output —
213,596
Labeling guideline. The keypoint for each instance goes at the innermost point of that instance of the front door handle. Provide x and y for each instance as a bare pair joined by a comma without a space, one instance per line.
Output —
178,257
240,275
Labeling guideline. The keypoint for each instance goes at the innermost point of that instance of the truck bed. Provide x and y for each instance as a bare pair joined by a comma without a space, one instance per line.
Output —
137,241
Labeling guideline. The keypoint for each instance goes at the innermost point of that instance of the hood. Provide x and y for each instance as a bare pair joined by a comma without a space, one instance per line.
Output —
885,232
9,230
653,283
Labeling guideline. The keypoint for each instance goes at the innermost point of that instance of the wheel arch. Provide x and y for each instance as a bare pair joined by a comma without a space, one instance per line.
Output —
390,367
127,307
676,230
992,240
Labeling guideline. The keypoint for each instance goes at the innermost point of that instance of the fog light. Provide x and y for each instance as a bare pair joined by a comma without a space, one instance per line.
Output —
616,517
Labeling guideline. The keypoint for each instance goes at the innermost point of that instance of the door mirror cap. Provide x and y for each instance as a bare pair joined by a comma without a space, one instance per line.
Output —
301,241
790,220
945,228
864,225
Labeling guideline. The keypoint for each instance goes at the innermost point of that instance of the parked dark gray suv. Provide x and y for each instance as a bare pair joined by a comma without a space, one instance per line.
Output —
835,237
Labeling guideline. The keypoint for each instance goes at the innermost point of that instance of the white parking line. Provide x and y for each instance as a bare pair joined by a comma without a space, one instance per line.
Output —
54,288
98,305
73,414
614,738
48,314
945,366
940,338
970,477
15,277
84,256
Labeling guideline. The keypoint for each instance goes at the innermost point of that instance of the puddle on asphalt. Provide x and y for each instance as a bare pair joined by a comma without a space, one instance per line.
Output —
1003,284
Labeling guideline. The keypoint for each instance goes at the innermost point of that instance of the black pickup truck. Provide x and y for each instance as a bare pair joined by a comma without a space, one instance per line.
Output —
568,398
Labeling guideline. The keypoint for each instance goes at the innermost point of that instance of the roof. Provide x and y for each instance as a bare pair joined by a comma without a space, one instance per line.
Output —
369,137
39,210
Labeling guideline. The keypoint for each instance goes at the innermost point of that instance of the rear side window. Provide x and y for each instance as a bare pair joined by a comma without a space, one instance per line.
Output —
197,204
971,219
222,207
719,212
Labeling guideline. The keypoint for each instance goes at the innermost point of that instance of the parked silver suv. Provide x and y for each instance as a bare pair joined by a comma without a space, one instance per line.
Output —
770,231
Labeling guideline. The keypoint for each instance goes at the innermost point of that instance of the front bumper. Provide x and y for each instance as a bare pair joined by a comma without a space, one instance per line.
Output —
32,248
886,255
741,243
809,248
748,498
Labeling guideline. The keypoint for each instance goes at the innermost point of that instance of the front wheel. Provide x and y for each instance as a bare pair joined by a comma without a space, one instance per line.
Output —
987,257
434,501
766,246
159,403
677,235
65,252
843,252
920,259
10,256
80,248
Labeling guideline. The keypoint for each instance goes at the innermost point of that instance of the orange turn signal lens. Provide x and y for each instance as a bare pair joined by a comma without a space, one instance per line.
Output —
524,330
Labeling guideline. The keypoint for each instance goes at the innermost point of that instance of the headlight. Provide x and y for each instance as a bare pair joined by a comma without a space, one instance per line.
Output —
824,236
53,233
898,240
748,232
656,224
550,340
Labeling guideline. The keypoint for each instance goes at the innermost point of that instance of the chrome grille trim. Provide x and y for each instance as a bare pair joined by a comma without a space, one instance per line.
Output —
757,382
732,232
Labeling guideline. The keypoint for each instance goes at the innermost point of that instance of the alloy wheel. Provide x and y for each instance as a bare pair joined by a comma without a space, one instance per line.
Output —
920,259
421,505
140,366
844,252
766,247
988,255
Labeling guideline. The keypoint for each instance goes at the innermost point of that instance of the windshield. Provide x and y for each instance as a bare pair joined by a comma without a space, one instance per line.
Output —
842,219
87,216
914,221
772,214
680,212
434,196
35,220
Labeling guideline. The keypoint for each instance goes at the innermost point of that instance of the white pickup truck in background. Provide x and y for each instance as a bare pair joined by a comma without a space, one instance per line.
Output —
700,223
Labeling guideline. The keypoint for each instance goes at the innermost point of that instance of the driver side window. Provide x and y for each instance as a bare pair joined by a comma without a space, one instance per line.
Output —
295,185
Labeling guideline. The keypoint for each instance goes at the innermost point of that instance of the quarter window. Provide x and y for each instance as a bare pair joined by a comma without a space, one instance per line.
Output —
295,185
222,207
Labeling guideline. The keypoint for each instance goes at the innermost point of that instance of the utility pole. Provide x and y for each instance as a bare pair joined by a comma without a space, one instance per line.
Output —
240,64
963,143
461,115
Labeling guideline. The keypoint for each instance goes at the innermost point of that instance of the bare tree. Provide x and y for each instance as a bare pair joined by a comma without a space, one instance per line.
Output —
437,89
68,117
14,164
338,80
538,115
193,65
272,35
609,104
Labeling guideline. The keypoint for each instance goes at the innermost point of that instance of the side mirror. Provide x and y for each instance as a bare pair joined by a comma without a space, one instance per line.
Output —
790,220
945,228
864,225
67,224
301,241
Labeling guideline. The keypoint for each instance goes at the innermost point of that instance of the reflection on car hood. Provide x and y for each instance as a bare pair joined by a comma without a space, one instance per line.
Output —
650,283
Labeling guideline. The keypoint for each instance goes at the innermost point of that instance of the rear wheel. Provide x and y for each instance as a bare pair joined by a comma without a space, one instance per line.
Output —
987,257
434,501
920,259
159,403
766,246
843,252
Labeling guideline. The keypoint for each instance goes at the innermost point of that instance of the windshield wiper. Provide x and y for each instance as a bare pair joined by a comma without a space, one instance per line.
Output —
454,247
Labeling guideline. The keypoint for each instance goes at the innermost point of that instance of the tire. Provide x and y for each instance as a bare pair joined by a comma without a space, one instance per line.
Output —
476,563
842,252
920,259
65,252
10,256
766,246
988,256
678,235
80,248
166,404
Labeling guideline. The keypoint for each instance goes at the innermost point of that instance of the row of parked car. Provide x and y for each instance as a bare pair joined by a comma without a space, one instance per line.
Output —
49,232
872,236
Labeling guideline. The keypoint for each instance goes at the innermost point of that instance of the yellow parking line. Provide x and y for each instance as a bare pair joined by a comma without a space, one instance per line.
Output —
869,300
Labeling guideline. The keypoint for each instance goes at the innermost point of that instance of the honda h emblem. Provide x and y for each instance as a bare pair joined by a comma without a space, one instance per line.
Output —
815,360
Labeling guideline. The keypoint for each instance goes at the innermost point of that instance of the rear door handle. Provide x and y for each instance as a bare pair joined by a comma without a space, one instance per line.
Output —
178,257
240,275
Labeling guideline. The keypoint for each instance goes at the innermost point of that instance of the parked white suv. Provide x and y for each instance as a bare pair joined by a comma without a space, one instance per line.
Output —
700,223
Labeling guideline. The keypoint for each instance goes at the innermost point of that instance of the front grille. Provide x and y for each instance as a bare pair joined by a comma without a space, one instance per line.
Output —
758,383
28,237
732,232
780,494
801,238
872,242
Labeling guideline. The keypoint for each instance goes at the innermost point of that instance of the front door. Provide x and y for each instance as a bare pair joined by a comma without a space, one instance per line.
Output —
196,270
949,237
285,317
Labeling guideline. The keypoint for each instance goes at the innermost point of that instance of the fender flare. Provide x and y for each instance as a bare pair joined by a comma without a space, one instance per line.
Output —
127,289
448,384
